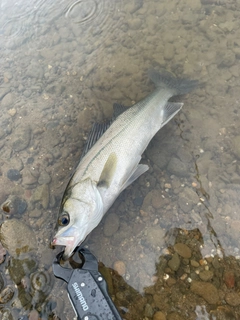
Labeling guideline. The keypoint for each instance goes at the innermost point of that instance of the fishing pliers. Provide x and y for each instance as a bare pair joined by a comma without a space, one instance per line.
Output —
87,289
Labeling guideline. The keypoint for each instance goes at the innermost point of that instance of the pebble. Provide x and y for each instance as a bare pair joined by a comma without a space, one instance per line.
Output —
155,236
33,315
194,263
12,112
232,298
28,179
7,101
229,279
159,316
120,267
13,174
21,138
44,178
175,316
174,263
17,237
183,250
3,253
111,225
206,290
177,167
205,275
14,205
6,294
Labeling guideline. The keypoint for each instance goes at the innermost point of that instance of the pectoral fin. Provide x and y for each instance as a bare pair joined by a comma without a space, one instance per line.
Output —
137,172
108,171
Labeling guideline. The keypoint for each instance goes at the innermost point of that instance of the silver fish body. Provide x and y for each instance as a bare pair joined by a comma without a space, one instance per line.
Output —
112,163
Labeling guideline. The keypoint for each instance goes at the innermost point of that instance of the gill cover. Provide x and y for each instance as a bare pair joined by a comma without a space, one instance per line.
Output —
83,205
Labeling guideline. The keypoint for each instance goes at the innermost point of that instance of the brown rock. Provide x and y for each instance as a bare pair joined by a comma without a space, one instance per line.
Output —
206,290
183,250
159,316
120,267
232,298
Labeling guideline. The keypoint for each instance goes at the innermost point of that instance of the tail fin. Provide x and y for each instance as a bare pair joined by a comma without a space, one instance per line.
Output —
166,80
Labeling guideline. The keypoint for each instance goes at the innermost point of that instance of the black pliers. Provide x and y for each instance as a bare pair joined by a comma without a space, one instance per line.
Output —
87,290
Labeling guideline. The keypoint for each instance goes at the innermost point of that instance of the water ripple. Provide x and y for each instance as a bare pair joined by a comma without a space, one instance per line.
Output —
26,18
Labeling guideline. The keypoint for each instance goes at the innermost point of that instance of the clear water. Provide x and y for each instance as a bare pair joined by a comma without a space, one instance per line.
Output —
63,65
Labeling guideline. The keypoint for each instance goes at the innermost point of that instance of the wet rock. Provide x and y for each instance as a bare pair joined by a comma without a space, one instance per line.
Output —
153,199
7,101
229,279
148,311
111,225
21,139
223,313
155,236
6,314
3,92
120,267
17,237
36,213
232,298
33,315
206,275
206,290
35,70
194,263
13,174
174,316
159,316
28,179
20,269
225,59
185,204
41,194
3,253
178,168
6,294
44,178
174,263
183,250
14,205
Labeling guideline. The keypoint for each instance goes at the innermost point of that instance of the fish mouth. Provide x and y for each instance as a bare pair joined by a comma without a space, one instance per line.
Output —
70,244
70,239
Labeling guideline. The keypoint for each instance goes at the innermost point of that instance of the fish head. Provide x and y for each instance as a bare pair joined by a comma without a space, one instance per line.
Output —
80,213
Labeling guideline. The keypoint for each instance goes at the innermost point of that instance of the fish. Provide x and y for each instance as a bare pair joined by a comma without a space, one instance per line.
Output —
111,159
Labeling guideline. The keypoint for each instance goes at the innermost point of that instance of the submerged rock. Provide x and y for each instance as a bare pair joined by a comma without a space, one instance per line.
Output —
17,237
14,205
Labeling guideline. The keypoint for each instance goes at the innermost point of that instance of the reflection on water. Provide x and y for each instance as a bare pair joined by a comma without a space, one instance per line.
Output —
173,236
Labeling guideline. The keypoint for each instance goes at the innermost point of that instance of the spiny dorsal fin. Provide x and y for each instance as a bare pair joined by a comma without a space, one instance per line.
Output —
118,109
96,132
108,171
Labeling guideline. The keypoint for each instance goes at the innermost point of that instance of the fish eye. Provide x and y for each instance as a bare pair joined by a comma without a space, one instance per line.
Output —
64,219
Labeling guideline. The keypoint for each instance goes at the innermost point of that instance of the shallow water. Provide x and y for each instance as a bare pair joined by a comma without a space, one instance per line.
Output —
174,234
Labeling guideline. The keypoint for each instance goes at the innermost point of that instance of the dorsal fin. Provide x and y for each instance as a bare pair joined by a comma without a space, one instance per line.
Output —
96,132
98,129
118,109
